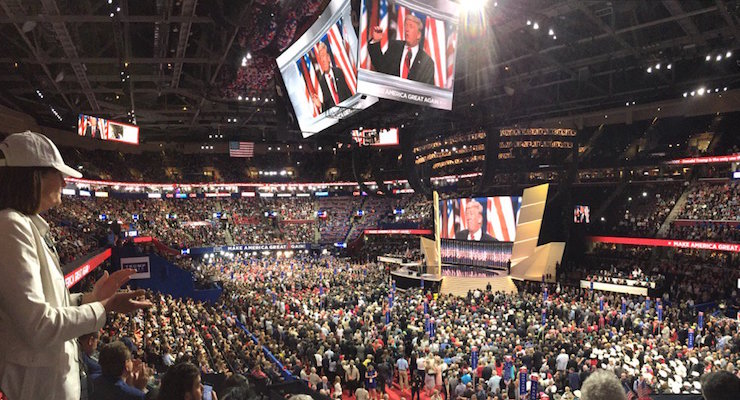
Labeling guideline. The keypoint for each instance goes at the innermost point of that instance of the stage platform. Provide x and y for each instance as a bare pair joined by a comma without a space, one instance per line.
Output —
455,285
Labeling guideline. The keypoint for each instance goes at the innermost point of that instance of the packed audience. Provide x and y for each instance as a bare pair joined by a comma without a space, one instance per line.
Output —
709,201
642,209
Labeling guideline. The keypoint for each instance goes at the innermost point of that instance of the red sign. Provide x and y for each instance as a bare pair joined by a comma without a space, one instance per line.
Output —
706,160
681,244
398,231
80,272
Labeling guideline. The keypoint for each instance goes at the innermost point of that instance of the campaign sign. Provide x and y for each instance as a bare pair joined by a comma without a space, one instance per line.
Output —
522,382
139,264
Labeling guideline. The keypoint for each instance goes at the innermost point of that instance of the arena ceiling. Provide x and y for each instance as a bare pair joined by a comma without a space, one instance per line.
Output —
175,65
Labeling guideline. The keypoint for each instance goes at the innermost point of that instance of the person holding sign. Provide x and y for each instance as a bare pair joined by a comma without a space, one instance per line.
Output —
41,320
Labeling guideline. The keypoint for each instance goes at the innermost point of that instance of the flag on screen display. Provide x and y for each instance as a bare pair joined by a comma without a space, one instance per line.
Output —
451,46
383,13
501,218
435,44
241,149
364,31
450,220
400,28
341,59
348,48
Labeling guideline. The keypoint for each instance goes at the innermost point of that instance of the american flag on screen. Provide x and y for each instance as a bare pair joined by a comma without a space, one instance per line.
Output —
435,44
241,149
501,216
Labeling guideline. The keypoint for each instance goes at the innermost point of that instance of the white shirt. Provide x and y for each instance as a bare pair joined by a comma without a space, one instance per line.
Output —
414,52
475,235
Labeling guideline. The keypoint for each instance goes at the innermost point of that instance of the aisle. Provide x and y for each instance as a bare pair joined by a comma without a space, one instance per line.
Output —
394,393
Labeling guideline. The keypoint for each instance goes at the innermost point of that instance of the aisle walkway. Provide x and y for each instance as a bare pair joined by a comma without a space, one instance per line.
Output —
394,393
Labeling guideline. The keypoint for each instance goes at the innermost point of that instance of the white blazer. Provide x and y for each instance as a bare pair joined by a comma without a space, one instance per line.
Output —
39,319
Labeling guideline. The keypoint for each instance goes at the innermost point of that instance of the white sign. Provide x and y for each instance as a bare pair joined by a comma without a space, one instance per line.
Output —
140,264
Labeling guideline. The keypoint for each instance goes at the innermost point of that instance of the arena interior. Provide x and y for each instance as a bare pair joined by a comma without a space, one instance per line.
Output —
391,199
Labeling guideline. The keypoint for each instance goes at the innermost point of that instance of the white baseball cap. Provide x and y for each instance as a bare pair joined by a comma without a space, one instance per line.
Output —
30,149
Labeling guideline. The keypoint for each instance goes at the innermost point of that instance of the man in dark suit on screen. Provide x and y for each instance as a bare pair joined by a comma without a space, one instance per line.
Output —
474,220
91,130
405,59
334,89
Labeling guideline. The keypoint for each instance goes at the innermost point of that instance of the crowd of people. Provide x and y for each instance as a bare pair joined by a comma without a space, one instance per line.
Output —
713,201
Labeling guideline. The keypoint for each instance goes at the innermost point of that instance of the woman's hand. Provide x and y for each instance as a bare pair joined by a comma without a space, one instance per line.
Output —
126,302
108,285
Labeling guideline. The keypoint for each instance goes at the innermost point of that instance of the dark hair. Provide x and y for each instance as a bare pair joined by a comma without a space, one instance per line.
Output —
113,357
20,188
720,385
178,380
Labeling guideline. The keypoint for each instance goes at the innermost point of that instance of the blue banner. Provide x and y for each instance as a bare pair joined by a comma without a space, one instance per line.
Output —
474,358
691,338
544,316
544,295
522,382
390,300
387,317
647,303
601,303
432,328
426,307
507,369
660,313
422,284
534,389
624,306
701,320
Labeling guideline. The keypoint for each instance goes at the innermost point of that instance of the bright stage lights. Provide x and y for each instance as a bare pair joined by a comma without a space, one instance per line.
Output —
473,5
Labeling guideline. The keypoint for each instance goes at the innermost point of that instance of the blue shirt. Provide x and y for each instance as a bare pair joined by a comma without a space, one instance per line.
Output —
114,388
402,364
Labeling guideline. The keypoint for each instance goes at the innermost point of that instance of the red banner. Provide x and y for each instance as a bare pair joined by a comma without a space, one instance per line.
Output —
706,160
75,276
681,244
398,231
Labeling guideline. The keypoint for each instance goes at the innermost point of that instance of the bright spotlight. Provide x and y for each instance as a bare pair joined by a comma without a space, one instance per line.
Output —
657,66
529,22
708,57
701,91
669,66
685,94
650,70
473,5
718,58
551,32
536,26
728,54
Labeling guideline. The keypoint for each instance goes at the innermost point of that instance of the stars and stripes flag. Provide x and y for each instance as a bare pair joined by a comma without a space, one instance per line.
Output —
383,13
435,45
500,218
450,220
451,49
364,32
311,83
341,58
347,47
400,26
241,149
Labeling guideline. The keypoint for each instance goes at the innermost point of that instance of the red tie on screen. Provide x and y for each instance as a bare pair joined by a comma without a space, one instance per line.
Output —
333,88
406,64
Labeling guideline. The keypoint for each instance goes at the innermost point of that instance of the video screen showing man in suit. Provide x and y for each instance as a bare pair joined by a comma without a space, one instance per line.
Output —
332,82
474,222
405,59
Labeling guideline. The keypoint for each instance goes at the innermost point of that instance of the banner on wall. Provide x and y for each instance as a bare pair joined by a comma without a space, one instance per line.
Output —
682,244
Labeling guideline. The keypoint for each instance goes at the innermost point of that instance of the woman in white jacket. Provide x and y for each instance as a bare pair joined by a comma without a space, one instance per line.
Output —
39,319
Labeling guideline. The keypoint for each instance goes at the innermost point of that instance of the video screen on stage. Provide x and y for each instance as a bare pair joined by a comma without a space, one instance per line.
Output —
479,254
582,214
407,50
104,129
480,219
376,137
320,71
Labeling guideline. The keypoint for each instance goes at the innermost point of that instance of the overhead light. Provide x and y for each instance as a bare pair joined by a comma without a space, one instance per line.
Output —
111,15
685,94
300,146
118,9
650,70
536,26
693,93
724,89
657,66
554,37
551,32
708,57
529,22
239,98
249,56
669,66
701,91
627,104
718,58
728,54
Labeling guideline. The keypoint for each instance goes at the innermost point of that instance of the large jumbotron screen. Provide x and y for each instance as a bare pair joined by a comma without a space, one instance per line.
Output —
408,49
478,231
320,71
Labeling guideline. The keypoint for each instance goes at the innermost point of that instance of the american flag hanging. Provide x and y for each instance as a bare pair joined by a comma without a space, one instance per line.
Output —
241,149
